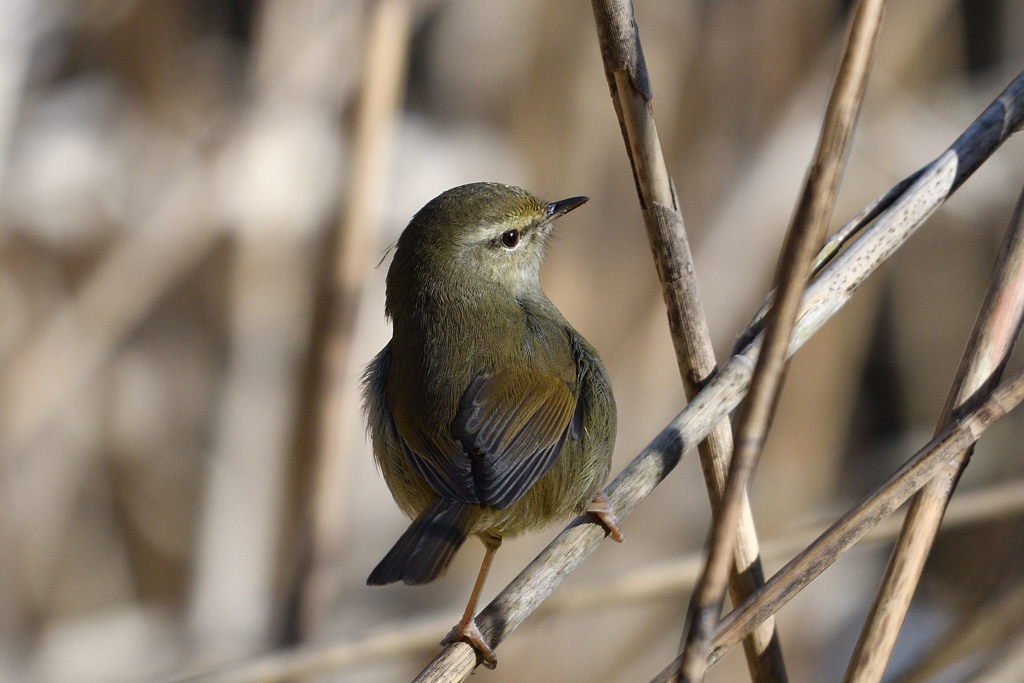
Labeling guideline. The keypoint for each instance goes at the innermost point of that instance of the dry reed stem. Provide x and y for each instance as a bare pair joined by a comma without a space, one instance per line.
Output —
856,523
988,350
651,582
337,412
804,239
631,93
827,294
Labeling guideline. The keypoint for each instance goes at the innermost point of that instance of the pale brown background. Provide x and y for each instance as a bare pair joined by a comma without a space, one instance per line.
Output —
169,169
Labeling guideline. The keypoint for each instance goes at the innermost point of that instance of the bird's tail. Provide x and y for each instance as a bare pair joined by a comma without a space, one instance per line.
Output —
427,547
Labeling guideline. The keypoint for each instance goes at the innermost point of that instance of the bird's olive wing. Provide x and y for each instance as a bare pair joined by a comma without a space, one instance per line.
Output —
512,426
441,461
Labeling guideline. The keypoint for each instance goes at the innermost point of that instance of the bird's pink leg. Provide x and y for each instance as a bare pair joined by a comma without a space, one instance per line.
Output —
467,629
602,507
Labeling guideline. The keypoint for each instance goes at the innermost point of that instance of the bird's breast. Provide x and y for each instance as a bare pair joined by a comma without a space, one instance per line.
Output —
440,348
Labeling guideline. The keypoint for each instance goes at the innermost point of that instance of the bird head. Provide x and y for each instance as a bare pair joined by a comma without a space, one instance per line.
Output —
477,235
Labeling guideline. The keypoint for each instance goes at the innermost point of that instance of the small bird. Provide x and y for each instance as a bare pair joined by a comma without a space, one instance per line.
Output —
489,414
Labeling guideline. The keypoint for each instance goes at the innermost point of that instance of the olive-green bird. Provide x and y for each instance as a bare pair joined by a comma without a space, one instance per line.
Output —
489,414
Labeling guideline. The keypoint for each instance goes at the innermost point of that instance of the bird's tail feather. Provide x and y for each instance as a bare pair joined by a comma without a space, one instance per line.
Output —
427,547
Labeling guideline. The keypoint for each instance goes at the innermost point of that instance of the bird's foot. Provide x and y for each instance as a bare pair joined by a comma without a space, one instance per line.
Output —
602,507
470,633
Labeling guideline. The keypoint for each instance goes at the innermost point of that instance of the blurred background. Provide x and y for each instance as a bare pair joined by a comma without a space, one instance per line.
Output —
194,195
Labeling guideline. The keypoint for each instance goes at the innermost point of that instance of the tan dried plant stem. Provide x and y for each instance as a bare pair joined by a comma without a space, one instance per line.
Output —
803,241
858,522
995,331
833,287
631,94
337,407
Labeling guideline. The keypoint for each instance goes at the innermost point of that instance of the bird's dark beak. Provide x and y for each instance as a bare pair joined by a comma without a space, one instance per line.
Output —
564,206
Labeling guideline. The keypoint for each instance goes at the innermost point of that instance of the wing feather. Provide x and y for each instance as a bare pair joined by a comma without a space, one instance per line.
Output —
512,426
508,432
442,462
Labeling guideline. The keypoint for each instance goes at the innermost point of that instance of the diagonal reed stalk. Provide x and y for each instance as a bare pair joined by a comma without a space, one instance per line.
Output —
631,94
829,292
855,524
995,331
804,239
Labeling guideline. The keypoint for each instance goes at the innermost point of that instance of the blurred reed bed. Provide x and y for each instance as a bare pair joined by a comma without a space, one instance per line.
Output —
194,197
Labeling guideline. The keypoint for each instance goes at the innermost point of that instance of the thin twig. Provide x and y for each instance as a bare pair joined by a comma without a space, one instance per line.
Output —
804,239
652,582
856,523
995,331
828,293
631,93
336,404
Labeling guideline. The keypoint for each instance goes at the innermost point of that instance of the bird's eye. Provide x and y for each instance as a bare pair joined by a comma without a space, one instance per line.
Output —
509,239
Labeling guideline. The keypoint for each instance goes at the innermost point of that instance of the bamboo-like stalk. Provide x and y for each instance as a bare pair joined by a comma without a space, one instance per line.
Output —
804,239
828,293
336,403
647,583
631,93
855,524
994,334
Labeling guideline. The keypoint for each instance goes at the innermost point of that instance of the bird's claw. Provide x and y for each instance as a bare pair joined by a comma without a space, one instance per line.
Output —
470,633
602,507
